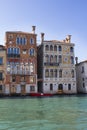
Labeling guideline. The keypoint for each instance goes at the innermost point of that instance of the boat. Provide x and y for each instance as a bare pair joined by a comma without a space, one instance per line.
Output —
40,94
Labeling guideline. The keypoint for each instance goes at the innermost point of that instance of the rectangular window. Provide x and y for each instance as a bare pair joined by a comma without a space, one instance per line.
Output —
31,79
1,60
69,86
1,76
51,87
0,87
22,78
32,88
82,69
83,85
13,78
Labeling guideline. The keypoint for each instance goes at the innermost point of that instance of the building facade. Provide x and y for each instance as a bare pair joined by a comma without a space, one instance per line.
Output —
21,77
81,75
56,68
2,69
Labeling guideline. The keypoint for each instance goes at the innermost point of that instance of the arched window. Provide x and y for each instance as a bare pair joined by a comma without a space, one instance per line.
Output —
21,40
60,59
51,59
60,73
9,51
51,87
55,73
46,73
55,48
47,48
17,40
60,87
17,50
14,50
69,86
60,48
72,60
55,59
32,52
72,72
51,73
47,58
31,41
31,68
51,48
71,49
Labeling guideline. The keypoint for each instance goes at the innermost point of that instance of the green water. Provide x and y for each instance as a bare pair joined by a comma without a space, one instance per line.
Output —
57,113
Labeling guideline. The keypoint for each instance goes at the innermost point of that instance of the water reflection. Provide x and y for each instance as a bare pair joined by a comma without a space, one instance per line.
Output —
58,113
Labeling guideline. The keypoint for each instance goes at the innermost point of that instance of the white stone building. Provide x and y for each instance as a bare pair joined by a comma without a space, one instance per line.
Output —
81,74
56,68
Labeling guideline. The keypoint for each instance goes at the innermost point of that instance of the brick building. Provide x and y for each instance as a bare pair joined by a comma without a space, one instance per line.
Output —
21,77
2,68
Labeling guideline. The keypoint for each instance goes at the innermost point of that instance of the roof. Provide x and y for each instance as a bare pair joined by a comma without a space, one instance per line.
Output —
20,32
85,61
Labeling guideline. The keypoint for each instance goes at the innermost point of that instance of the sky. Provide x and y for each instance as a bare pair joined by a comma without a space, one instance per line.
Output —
56,18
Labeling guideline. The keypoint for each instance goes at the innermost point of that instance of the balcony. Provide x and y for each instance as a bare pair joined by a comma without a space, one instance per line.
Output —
19,72
13,55
51,64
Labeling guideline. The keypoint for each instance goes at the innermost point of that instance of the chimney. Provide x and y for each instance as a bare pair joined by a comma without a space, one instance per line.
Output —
42,37
33,29
76,59
68,39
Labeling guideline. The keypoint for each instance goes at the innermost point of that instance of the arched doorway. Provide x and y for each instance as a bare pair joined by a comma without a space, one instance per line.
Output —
60,88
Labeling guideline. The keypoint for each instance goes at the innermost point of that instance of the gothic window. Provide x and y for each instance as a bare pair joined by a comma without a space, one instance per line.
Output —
55,73
60,48
55,48
51,59
51,73
71,49
55,59
72,73
47,48
46,73
60,59
72,60
60,73
51,48
47,58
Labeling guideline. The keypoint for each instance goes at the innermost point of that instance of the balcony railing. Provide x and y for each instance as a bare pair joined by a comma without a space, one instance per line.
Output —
51,64
19,72
13,55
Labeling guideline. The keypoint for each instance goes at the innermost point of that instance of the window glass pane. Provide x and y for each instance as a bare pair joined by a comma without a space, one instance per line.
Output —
31,41
21,40
0,76
17,40
31,52
9,51
1,60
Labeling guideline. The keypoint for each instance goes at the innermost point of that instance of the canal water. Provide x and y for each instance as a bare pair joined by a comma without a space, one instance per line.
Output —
55,113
